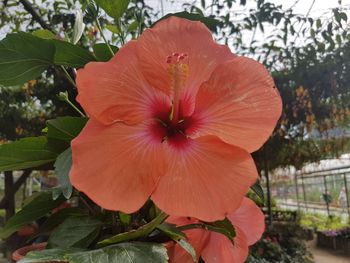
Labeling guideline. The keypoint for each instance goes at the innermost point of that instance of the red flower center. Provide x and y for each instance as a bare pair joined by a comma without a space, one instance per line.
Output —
174,132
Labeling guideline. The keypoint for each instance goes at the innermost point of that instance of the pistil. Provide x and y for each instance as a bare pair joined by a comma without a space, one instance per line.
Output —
178,72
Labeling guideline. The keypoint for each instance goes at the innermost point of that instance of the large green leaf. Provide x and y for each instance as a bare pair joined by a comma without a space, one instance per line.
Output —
210,22
142,231
74,232
65,53
102,52
24,57
134,252
114,8
39,205
125,253
48,255
26,153
62,166
65,128
70,55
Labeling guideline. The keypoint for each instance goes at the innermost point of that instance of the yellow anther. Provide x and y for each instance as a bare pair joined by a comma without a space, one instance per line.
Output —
178,70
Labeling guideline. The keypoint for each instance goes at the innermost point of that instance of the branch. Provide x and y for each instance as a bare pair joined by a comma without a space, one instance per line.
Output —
15,187
306,17
29,8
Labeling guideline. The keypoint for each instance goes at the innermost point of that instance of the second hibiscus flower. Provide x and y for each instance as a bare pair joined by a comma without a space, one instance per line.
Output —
173,116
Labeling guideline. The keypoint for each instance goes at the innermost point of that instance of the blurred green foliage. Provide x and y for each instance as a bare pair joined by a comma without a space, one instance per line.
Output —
322,222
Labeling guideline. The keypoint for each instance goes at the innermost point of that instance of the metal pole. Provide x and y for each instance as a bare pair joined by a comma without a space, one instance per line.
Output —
326,193
304,193
346,194
296,189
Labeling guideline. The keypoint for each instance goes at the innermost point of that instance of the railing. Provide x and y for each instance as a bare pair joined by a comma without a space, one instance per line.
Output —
332,181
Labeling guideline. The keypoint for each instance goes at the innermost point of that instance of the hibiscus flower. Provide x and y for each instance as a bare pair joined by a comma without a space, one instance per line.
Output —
174,117
213,247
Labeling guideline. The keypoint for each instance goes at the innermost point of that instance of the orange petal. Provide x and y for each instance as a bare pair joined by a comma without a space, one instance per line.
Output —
206,179
116,90
178,35
239,104
198,238
249,218
221,250
117,166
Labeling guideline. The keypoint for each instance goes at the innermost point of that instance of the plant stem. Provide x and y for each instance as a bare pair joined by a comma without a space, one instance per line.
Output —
103,36
29,8
191,226
75,107
68,76
64,97
120,33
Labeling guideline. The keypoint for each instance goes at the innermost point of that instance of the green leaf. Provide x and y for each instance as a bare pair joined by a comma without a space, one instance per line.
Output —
343,16
114,8
74,232
62,166
142,231
91,10
48,255
102,52
71,55
136,252
321,47
210,22
224,227
26,153
133,252
24,57
133,26
44,33
312,33
124,218
338,39
337,16
38,207
78,28
114,29
57,218
179,237
65,128
318,23
257,189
